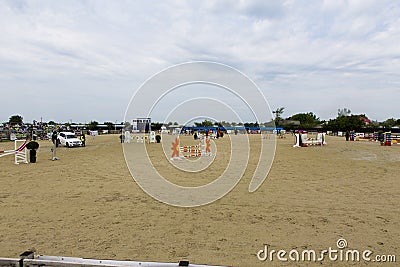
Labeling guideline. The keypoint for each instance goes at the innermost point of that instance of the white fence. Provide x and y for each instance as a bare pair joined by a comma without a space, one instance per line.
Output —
27,259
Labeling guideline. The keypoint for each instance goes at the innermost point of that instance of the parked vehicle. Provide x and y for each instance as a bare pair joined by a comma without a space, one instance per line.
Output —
68,139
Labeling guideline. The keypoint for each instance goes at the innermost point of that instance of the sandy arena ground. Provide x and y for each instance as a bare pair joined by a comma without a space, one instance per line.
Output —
88,205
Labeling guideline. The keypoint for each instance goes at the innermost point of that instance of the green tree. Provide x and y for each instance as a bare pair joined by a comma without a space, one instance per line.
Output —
204,123
110,125
16,119
278,115
225,123
251,124
346,123
92,125
389,123
307,120
343,112
156,126
373,124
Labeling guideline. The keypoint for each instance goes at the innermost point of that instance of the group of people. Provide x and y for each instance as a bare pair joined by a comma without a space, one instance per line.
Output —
217,134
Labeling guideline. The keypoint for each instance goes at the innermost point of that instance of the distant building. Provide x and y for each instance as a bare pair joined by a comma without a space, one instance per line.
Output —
290,122
365,120
141,125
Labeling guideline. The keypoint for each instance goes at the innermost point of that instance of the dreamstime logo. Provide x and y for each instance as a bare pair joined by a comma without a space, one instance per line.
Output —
341,253
189,92
341,243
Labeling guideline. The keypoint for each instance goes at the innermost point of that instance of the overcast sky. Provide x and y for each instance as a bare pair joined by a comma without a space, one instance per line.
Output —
83,60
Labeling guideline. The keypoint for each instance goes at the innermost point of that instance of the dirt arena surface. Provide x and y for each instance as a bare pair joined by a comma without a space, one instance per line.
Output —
88,205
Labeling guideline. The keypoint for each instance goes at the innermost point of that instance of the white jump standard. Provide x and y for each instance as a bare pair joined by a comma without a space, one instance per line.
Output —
302,140
19,152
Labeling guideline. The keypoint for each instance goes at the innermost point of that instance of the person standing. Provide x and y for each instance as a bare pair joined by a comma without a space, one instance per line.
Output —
83,139
347,135
122,137
54,139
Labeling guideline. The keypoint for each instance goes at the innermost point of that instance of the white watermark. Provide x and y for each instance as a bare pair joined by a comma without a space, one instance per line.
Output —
182,89
338,253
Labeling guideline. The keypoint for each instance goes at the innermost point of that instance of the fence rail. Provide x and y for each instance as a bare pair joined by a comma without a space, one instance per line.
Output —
27,259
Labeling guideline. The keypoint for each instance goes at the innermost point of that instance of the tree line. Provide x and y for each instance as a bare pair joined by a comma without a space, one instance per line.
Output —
345,121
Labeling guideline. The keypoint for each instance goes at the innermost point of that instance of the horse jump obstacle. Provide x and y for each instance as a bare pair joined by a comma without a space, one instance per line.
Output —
366,136
390,139
128,137
194,151
19,152
376,137
357,136
302,140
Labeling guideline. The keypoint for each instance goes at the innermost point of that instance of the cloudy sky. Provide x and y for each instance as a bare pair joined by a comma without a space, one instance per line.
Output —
83,60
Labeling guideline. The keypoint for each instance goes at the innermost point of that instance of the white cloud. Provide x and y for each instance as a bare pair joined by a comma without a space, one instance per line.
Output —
103,50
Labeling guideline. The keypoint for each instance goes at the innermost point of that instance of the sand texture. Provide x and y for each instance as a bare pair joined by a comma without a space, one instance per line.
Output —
87,205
